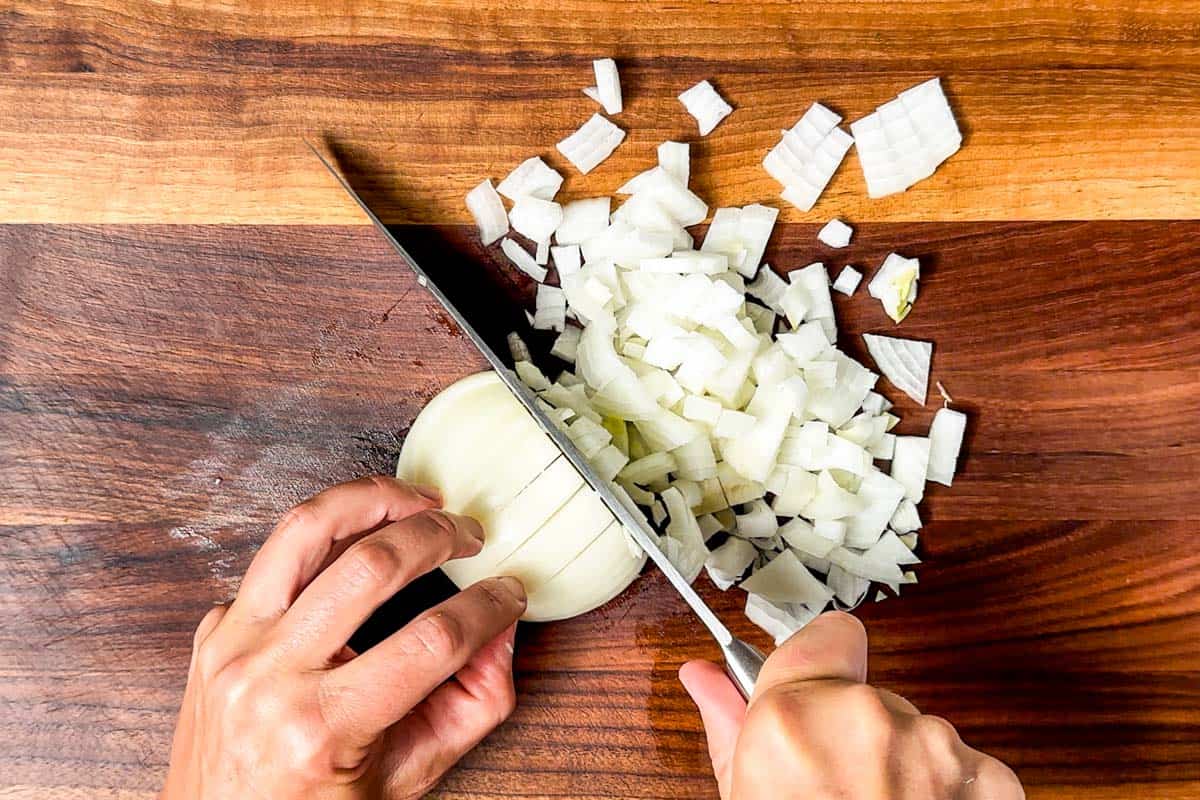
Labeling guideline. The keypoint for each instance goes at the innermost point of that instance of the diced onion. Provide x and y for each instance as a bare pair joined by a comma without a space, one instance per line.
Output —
531,178
904,362
487,209
835,233
523,261
945,441
607,91
595,141
847,281
705,105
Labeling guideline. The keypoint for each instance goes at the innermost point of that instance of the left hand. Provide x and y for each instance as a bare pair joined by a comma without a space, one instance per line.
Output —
277,705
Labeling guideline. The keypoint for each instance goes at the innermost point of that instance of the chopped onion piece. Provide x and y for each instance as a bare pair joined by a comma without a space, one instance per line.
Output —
705,105
847,280
879,495
769,288
906,139
656,466
785,580
906,519
567,260
567,343
802,535
780,621
836,233
531,178
535,218
808,155
910,465
726,564
607,91
675,160
850,590
523,261
945,442
583,219
531,376
895,285
595,141
487,209
758,522
891,548
904,362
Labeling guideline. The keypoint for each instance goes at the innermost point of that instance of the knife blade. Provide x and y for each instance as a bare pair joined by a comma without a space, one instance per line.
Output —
742,660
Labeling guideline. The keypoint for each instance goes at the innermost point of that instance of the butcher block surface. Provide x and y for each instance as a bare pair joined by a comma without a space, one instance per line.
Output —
198,330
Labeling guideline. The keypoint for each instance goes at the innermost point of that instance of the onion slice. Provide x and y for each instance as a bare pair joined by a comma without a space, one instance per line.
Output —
706,106
531,178
595,141
904,362
607,91
487,209
945,442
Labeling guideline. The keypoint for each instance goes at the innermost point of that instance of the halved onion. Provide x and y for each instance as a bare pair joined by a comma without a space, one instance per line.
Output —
491,461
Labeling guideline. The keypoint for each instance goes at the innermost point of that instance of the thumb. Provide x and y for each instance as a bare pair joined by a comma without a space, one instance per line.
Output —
831,647
722,710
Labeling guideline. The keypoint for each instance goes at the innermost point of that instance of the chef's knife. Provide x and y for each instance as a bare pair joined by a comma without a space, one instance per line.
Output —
742,660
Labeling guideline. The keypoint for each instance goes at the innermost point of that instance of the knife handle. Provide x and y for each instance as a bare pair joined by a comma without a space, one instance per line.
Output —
743,662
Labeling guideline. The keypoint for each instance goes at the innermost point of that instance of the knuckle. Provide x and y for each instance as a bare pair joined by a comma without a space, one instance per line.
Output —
441,636
208,624
496,598
439,524
998,780
296,518
936,730
374,560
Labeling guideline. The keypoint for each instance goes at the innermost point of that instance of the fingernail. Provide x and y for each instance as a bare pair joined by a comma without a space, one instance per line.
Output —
510,641
514,586
428,492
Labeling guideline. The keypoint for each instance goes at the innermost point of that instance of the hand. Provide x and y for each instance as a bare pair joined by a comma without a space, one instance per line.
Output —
815,730
276,703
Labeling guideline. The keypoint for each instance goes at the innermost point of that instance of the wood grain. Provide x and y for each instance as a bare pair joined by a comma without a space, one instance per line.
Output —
191,112
167,391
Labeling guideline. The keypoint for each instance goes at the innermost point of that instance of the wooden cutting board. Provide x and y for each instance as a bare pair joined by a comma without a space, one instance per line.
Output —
197,331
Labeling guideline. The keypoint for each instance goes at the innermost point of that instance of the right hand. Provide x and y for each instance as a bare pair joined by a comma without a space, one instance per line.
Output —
815,730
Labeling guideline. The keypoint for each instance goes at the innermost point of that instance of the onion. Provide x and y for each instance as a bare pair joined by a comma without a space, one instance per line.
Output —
904,362
523,261
910,465
534,218
706,106
595,141
906,139
945,441
726,564
835,233
895,285
607,91
488,211
531,178
675,160
807,156
582,219
491,461
682,392
847,281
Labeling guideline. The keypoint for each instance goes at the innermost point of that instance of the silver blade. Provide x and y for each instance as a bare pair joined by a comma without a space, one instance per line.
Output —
633,521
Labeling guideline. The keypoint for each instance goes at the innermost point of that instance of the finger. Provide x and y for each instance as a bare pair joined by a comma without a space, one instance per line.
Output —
991,779
832,646
383,684
340,599
294,553
722,710
207,625
455,718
